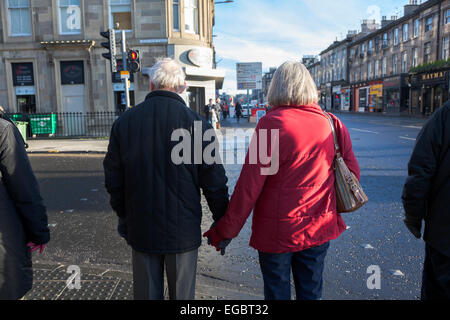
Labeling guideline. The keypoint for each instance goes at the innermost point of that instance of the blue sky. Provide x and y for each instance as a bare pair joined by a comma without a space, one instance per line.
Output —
273,31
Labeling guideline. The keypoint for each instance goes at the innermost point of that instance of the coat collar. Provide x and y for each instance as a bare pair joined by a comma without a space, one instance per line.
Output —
165,93
313,107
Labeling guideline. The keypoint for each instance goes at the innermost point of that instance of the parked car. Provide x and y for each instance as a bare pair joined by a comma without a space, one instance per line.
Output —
246,110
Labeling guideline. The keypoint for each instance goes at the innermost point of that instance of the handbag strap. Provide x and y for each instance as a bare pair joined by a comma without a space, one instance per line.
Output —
333,129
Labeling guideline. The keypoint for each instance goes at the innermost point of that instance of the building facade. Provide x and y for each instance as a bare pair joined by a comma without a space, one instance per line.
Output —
380,63
51,57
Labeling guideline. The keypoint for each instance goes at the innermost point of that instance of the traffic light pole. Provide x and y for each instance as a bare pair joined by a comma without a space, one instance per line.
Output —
126,74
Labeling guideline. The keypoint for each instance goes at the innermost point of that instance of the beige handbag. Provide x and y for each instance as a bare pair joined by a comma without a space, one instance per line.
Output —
349,193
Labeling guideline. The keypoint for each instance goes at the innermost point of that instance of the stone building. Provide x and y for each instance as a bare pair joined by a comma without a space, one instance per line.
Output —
51,57
380,62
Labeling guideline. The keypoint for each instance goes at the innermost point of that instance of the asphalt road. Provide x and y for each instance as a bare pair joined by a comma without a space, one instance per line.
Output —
84,227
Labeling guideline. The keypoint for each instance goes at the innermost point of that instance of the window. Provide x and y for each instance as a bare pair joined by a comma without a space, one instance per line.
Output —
415,58
416,28
394,64
369,70
19,18
427,52
384,67
176,15
445,48
405,32
191,16
69,17
370,46
395,36
377,68
363,48
385,40
120,13
429,24
447,16
405,62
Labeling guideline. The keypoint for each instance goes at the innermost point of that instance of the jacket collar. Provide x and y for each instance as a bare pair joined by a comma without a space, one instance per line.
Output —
165,93
313,107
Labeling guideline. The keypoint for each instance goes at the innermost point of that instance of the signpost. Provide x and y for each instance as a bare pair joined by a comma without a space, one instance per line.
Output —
249,76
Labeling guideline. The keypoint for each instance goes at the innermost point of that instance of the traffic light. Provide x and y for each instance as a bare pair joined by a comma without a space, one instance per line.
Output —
134,62
111,46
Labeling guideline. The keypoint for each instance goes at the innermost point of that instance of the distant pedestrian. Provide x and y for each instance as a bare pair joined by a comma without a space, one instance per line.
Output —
294,209
23,218
158,200
218,111
426,197
207,110
238,110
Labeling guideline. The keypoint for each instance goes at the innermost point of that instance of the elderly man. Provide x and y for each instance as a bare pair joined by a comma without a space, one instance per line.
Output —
156,198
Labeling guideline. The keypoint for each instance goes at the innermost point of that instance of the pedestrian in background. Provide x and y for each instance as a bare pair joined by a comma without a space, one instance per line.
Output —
207,110
238,110
157,200
426,197
294,210
23,218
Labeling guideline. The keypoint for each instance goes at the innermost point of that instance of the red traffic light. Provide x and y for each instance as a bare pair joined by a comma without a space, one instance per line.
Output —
133,55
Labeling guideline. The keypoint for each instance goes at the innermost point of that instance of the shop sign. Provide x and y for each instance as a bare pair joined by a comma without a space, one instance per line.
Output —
201,57
433,76
121,87
23,74
72,72
25,91
376,90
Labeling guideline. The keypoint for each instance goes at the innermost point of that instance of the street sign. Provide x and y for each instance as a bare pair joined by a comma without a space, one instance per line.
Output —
124,74
249,76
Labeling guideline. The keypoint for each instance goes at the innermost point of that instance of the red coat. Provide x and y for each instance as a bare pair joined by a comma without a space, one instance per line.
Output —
294,209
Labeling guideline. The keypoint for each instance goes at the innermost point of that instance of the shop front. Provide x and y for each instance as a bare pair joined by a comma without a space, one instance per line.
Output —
24,87
345,98
376,96
395,95
429,91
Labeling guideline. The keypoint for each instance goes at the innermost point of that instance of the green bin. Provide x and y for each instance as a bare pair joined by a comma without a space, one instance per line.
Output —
22,126
43,124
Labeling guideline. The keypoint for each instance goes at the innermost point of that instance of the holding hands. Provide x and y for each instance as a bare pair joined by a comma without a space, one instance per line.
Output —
216,240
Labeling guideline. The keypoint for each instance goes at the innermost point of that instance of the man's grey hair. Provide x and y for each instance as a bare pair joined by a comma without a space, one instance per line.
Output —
168,74
292,84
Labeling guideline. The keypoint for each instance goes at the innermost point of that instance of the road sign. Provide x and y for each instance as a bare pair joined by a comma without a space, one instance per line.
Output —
249,75
124,74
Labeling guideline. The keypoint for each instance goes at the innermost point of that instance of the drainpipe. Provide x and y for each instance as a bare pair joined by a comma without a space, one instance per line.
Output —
438,31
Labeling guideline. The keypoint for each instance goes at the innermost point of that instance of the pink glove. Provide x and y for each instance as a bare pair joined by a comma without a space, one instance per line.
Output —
34,247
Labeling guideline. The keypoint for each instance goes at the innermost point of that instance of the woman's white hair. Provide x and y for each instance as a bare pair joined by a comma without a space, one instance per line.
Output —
168,74
292,84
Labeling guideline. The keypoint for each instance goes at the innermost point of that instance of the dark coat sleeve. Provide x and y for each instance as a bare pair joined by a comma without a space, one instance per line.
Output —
422,168
22,186
213,181
114,175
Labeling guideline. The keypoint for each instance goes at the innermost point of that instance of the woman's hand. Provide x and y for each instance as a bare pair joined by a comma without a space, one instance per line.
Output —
216,240
34,247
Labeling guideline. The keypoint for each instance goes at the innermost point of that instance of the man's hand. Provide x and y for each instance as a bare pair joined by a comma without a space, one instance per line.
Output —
414,226
34,247
216,240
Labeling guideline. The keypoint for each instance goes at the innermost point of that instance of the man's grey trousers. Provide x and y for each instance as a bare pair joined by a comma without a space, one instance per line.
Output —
148,275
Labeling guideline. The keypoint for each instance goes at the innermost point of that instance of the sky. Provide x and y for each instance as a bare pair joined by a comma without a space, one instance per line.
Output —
274,31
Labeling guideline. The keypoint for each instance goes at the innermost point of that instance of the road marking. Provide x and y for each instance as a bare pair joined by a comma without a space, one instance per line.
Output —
413,127
367,131
406,138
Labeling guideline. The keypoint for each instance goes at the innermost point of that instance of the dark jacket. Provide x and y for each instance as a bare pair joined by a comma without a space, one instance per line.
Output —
159,200
23,216
426,194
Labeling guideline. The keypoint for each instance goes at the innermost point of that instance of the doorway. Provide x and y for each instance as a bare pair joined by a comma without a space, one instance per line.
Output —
196,99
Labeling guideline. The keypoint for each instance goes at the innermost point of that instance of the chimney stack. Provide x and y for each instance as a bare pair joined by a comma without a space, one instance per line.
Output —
411,7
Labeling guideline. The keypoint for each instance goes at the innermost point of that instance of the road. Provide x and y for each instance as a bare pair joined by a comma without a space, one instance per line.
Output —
84,227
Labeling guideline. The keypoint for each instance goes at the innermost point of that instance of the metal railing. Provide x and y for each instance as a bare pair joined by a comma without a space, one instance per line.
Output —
68,124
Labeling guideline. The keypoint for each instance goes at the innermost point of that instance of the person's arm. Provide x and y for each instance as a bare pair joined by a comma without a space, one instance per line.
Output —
114,179
22,186
421,169
346,146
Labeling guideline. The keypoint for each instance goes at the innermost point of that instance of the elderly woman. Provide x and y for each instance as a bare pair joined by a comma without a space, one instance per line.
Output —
295,215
